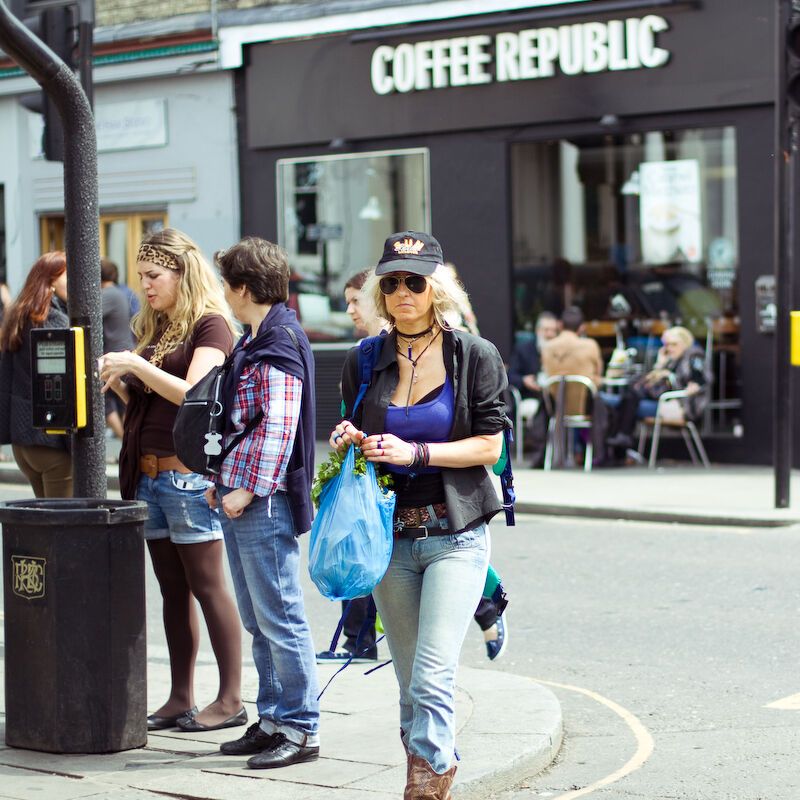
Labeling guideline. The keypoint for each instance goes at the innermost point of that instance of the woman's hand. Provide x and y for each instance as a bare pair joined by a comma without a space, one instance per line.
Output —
234,503
345,434
211,496
386,448
113,366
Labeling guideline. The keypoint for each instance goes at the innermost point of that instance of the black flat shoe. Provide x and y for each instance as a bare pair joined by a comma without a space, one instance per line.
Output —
191,725
156,723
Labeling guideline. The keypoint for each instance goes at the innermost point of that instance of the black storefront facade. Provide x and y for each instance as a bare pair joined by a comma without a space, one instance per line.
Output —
620,160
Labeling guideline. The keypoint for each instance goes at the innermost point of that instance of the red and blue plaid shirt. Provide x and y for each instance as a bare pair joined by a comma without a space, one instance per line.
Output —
258,463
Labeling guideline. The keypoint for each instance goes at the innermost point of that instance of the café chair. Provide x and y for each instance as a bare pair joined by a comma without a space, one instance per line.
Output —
568,400
670,414
524,411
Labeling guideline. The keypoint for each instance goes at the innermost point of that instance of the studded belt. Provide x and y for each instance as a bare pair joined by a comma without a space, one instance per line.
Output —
420,523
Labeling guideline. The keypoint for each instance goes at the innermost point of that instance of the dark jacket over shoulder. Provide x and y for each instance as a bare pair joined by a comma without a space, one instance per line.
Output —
479,380
16,413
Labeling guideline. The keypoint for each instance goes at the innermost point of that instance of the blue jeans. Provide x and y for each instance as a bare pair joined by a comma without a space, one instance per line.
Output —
426,601
264,558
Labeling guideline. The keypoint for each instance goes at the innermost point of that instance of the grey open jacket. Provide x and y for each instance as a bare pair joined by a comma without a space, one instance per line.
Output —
479,381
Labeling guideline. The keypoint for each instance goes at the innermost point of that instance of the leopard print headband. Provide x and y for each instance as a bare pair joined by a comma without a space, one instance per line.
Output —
152,255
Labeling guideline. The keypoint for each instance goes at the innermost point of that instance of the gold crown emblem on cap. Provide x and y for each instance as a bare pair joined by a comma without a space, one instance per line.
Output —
408,247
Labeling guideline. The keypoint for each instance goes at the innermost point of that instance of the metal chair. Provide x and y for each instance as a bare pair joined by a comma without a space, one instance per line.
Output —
524,410
566,398
687,428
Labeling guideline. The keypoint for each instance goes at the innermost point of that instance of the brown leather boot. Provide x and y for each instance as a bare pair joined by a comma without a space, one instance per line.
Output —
424,783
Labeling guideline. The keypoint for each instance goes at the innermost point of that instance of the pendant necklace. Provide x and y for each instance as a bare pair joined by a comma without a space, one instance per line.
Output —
415,361
410,338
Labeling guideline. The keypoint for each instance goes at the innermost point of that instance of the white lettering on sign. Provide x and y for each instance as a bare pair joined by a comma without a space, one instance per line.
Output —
584,48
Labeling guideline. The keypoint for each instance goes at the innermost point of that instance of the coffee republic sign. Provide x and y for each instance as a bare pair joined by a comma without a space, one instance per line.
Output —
535,53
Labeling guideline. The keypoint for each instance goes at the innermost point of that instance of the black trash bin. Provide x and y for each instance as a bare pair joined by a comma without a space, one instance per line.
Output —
75,658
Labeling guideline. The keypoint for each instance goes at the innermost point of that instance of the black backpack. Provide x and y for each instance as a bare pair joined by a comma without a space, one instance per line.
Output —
200,423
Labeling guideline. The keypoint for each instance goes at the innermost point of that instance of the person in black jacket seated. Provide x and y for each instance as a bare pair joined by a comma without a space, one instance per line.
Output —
434,418
680,365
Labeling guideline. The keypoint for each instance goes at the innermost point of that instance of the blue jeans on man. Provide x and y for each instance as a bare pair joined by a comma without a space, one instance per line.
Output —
264,558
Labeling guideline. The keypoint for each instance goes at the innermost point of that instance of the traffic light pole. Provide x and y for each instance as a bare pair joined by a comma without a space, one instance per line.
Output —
82,230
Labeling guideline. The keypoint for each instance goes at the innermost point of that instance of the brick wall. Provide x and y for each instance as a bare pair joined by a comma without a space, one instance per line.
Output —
118,12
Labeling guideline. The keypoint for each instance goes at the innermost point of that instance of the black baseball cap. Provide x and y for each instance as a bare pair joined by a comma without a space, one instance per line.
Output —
410,251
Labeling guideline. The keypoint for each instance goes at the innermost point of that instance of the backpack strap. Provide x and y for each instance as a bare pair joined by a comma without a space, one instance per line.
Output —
226,451
507,478
369,351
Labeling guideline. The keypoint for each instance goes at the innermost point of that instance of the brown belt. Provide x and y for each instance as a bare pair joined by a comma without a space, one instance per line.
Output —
151,465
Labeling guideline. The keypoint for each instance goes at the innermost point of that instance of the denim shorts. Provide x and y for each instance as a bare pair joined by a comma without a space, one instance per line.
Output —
177,508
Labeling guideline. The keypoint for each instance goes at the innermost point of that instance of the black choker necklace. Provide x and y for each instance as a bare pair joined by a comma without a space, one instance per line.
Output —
414,336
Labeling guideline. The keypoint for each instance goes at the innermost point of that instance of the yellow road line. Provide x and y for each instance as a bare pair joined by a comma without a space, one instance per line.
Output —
790,703
643,751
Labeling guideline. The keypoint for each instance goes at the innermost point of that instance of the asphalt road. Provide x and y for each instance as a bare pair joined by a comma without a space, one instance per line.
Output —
665,645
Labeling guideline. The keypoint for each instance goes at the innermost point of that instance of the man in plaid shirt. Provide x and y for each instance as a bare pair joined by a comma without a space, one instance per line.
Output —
263,488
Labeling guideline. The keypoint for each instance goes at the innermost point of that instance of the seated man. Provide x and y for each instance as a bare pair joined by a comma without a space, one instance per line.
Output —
680,365
524,371
570,353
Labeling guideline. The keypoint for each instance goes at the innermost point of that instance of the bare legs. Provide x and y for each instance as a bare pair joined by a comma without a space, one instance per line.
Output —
184,571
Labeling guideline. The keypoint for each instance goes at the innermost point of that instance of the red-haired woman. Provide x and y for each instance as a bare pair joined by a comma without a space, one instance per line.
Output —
44,459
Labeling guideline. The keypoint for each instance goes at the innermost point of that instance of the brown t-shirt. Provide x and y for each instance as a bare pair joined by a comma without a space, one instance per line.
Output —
155,436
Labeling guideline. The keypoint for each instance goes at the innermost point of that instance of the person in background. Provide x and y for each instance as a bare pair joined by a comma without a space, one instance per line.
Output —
117,334
133,299
365,320
183,331
435,416
524,371
359,635
264,489
680,365
43,458
572,353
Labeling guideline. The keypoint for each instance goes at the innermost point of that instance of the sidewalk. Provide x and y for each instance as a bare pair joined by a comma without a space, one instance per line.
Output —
722,495
509,729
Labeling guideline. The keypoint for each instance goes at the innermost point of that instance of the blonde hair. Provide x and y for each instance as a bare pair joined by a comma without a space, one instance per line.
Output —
683,335
447,295
199,292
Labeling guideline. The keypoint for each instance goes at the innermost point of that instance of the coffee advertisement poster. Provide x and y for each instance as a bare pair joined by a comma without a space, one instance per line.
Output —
669,211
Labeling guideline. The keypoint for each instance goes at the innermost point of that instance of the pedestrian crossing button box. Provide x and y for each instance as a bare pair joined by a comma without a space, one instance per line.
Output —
58,375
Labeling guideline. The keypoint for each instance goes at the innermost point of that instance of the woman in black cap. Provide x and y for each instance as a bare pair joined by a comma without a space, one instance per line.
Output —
434,418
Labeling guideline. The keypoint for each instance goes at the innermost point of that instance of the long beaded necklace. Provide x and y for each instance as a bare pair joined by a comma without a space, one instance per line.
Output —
414,361
170,338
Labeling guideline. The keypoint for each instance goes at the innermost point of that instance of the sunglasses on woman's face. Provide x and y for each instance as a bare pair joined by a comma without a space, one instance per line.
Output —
414,283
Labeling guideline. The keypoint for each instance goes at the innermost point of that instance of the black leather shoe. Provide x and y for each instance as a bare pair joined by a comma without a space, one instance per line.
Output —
155,723
191,725
282,753
253,741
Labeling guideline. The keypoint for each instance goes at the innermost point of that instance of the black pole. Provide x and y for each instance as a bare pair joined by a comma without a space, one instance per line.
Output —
82,231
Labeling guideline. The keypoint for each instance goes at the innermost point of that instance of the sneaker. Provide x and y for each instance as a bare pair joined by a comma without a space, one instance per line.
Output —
254,740
282,753
636,457
496,647
620,440
342,656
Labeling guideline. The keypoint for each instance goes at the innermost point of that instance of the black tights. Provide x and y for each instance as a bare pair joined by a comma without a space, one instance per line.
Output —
184,571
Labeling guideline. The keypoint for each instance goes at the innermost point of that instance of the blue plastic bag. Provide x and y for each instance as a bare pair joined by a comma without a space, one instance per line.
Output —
351,536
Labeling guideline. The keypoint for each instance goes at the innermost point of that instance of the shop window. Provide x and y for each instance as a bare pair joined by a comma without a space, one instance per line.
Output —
334,214
639,231
120,236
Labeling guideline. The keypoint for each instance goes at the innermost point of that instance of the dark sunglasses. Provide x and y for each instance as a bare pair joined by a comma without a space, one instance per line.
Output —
414,283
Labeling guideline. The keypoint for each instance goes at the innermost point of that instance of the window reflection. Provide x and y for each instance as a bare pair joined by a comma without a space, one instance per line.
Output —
334,214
